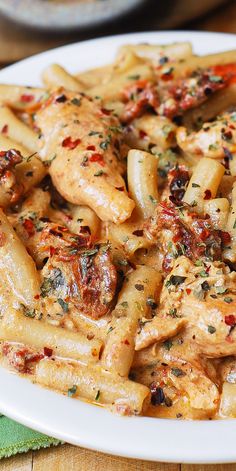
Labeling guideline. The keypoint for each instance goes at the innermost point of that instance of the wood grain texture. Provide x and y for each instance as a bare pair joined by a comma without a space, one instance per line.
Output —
23,462
213,467
72,458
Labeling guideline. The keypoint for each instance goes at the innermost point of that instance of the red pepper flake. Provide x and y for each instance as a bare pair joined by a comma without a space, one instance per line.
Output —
230,320
126,342
27,98
105,111
188,291
120,188
142,134
4,129
225,237
47,352
67,142
97,158
29,227
207,194
52,250
91,148
229,339
37,296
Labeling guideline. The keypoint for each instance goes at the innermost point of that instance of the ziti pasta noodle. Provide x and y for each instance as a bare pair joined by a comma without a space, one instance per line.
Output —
118,232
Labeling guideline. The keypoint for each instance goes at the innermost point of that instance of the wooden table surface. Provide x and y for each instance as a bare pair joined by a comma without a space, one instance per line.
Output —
67,457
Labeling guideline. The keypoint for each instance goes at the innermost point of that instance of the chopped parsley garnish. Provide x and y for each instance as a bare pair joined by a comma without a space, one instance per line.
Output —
63,305
175,280
99,173
234,226
71,391
203,274
215,78
177,372
167,344
151,302
97,395
211,329
195,185
152,199
124,304
76,101
228,300
134,77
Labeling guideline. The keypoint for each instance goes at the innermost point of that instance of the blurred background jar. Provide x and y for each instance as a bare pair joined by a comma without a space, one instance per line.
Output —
31,26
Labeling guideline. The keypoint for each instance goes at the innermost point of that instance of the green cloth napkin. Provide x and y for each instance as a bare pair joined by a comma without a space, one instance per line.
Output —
15,438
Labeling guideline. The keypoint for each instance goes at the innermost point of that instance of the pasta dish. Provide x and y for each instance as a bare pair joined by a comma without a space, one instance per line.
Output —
118,232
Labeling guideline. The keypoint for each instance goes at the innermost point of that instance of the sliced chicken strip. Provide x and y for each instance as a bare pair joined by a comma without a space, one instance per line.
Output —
82,141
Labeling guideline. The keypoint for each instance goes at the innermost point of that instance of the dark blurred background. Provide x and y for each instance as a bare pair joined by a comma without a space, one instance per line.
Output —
17,41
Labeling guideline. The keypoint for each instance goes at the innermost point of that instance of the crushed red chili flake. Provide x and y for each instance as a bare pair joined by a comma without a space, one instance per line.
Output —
97,157
26,98
225,237
67,142
188,291
29,227
207,195
105,111
142,134
52,250
47,352
4,129
91,148
120,188
126,342
230,320
37,296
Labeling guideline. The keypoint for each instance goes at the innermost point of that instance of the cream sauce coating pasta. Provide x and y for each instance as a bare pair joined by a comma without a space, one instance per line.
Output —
118,232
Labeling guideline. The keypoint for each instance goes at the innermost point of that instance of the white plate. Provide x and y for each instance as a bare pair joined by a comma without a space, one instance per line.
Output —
83,424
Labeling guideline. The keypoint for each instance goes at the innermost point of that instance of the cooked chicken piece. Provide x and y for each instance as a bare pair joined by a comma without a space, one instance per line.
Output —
178,229
215,140
82,142
204,294
171,375
149,131
10,188
84,278
186,93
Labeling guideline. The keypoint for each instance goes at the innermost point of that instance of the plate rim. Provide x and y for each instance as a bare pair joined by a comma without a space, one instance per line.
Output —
189,435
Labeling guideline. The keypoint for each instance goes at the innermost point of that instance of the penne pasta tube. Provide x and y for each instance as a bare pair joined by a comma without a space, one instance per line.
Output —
138,294
94,77
230,251
113,90
157,330
17,130
129,236
84,216
40,334
200,62
204,183
154,53
21,98
94,384
214,105
142,181
218,210
19,268
56,76
228,400
31,170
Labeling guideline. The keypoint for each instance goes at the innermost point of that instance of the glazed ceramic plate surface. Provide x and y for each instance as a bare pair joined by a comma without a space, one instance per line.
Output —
81,423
